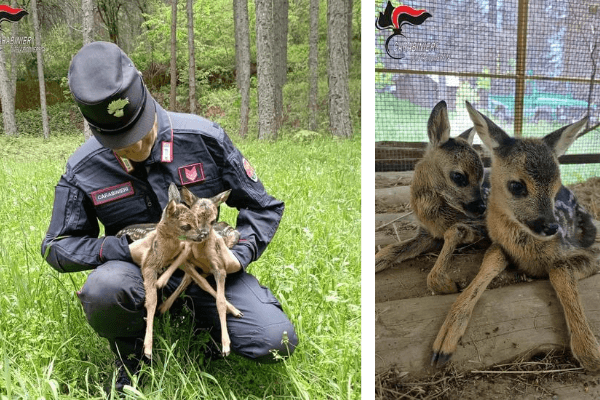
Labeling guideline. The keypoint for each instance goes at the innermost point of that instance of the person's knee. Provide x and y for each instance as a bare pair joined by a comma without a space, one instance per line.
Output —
113,300
273,343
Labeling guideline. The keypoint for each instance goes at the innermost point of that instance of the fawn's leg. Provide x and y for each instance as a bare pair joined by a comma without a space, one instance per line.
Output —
583,342
410,248
203,283
185,282
458,318
438,280
222,308
165,276
149,276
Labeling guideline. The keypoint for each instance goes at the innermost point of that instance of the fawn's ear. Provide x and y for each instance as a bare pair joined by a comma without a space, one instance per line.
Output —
170,210
468,135
561,139
188,197
491,134
174,193
438,126
220,198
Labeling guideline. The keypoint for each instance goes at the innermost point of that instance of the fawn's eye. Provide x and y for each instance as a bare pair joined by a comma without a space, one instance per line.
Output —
186,227
461,180
518,189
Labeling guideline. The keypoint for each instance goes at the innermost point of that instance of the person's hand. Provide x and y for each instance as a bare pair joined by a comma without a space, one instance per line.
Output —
232,264
140,247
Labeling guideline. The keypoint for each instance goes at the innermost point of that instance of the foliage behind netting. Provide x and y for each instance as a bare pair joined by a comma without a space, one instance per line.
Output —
470,49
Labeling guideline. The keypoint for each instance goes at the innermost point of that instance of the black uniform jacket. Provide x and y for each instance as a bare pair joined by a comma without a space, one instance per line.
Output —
99,186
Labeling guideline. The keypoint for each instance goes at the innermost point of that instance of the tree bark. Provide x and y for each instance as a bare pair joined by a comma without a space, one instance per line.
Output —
349,15
173,94
40,68
14,56
340,122
8,100
242,56
87,7
280,34
192,67
267,124
313,65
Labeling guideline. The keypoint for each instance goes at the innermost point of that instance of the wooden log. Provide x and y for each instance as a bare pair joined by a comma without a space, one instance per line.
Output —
506,323
392,197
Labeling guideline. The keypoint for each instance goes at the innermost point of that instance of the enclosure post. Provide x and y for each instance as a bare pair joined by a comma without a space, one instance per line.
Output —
521,65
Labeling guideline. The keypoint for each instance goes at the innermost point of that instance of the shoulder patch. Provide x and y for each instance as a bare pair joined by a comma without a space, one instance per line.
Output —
250,172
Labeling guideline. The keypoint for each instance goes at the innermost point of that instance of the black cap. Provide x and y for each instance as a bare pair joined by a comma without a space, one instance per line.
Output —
111,95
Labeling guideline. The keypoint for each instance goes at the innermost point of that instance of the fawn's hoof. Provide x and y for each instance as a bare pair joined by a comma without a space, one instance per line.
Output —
441,285
226,350
440,359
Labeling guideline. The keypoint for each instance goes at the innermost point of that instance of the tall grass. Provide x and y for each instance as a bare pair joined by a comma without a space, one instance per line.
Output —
47,349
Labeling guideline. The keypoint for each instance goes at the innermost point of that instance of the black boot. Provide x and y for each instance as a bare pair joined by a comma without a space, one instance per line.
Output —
126,369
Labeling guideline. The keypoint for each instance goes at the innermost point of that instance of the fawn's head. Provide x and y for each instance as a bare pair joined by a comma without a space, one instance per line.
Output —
178,220
525,175
206,210
452,166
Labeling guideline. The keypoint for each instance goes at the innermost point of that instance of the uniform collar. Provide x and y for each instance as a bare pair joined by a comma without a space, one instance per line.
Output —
162,151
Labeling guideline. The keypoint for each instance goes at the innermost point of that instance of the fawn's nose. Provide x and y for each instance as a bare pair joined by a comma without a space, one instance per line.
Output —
543,227
476,207
550,229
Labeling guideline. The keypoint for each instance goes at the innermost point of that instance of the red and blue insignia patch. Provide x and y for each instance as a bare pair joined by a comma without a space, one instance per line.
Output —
192,173
250,171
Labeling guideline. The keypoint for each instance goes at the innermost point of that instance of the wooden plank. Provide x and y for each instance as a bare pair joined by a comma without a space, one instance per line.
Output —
506,323
392,197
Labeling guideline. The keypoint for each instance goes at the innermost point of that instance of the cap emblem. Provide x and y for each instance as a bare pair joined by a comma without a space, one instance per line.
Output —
115,107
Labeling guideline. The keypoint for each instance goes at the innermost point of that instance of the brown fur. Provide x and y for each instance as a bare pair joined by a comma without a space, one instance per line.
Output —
447,212
522,226
166,247
208,256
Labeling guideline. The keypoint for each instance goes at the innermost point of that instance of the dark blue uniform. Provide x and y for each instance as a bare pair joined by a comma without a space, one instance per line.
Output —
100,186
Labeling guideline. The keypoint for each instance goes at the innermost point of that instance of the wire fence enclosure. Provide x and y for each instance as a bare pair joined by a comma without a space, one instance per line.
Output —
531,66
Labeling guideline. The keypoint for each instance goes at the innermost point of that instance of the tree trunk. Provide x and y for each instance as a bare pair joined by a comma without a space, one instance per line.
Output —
267,125
87,7
173,94
40,68
349,15
192,67
339,95
280,34
242,56
14,56
313,65
8,99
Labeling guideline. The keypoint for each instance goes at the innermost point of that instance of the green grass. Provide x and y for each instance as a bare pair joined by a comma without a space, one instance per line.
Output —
47,349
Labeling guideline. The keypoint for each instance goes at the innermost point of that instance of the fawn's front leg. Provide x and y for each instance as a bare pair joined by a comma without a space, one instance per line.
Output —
149,275
583,342
222,308
165,276
458,318
438,280
185,282
407,249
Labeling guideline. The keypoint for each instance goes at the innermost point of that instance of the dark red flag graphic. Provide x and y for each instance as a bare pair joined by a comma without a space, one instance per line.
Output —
10,14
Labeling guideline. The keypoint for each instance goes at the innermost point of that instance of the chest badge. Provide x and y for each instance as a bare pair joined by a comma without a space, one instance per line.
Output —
192,173
112,193
250,171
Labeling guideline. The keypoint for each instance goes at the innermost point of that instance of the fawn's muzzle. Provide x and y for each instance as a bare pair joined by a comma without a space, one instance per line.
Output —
543,227
476,207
